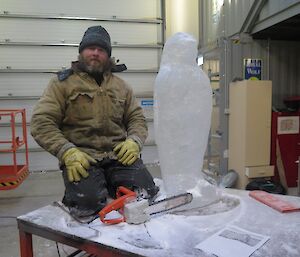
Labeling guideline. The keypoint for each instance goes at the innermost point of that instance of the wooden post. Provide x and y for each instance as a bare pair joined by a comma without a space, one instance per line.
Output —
280,166
298,180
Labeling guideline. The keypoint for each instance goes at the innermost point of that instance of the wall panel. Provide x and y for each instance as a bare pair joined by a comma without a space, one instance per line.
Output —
71,31
90,8
56,57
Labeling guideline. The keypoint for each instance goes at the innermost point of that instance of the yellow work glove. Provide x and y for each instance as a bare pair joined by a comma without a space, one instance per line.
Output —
77,163
127,152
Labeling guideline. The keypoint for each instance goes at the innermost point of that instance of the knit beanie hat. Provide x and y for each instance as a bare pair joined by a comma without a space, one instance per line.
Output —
96,35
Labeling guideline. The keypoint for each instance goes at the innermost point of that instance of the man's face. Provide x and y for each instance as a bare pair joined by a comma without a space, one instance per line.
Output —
94,58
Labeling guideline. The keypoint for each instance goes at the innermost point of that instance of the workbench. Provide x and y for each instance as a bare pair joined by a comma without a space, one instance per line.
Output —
166,235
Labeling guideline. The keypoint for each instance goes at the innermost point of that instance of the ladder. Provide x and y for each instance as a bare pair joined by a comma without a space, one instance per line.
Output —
12,173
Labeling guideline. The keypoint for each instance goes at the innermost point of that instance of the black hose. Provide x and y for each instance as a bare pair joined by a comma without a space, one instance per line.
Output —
74,253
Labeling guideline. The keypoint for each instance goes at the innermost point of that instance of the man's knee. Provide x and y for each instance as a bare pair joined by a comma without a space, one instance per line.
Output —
89,193
135,176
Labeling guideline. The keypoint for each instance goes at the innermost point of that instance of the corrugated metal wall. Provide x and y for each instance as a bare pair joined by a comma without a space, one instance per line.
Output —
210,22
221,39
226,20
284,70
212,156
222,20
280,58
235,12
281,64
240,51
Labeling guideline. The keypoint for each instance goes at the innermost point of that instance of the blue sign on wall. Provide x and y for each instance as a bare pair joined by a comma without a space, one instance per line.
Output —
147,102
252,69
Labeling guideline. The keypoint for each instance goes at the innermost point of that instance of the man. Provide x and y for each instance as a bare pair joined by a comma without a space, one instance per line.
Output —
90,120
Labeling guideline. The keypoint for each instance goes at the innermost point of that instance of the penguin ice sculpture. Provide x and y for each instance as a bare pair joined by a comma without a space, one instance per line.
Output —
182,114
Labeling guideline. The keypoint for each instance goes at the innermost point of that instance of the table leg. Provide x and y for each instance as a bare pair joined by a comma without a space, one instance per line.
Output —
25,244
298,181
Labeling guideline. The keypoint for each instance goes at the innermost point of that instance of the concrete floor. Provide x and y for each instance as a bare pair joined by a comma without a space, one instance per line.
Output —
38,190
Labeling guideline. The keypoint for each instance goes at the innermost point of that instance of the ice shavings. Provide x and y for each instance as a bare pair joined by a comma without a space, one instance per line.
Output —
143,239
168,231
177,234
57,219
291,249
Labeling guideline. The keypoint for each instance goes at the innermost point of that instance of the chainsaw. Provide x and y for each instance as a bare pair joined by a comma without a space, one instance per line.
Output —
134,210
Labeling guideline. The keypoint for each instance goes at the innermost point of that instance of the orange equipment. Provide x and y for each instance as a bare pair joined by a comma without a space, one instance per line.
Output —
13,174
123,195
274,201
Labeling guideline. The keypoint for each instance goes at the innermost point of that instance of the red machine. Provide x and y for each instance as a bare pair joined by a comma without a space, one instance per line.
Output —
11,172
285,131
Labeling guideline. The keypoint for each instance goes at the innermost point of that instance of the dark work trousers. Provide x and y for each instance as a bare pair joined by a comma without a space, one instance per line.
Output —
90,194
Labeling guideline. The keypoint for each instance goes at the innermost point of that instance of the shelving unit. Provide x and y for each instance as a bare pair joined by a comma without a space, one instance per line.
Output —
12,174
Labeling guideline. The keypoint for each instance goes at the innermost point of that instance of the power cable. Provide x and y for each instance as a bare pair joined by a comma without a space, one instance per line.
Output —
74,253
58,252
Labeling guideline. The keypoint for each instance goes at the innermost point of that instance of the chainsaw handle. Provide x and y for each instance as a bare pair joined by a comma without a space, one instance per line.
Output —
124,191
123,194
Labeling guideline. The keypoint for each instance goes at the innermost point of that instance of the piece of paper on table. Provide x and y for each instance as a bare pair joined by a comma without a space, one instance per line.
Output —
233,242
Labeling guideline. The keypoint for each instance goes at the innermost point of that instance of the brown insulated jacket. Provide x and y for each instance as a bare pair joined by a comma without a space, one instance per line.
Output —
78,112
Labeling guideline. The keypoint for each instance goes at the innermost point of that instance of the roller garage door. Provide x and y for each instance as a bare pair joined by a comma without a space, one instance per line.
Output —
39,38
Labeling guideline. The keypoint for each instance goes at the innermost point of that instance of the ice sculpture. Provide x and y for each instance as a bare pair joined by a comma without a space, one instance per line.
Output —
182,115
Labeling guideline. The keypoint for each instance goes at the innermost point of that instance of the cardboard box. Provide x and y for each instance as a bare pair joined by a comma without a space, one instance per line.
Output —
259,171
250,105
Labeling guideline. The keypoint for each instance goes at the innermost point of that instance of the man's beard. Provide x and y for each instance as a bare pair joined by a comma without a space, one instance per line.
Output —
97,67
